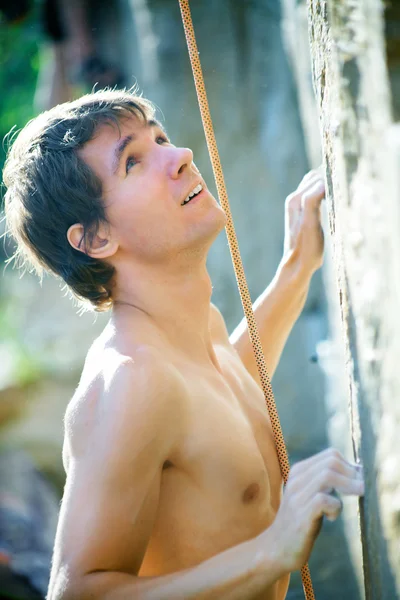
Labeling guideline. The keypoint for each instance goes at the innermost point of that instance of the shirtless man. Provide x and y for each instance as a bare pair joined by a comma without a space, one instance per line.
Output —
173,487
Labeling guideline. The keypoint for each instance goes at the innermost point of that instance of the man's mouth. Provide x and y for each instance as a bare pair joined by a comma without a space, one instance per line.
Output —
192,194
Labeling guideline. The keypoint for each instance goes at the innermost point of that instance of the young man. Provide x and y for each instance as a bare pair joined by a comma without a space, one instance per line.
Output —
173,486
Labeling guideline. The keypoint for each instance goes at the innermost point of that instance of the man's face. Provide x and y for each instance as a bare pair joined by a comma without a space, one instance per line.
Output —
146,181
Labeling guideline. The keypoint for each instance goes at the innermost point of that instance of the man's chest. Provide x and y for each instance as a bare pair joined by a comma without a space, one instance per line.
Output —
228,442
223,484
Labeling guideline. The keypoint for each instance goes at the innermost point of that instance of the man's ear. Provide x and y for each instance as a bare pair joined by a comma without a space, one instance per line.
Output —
102,245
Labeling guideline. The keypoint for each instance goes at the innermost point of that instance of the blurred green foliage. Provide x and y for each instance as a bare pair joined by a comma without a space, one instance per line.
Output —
19,66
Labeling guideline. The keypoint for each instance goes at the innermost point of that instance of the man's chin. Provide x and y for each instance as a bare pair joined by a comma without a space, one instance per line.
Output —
222,216
220,221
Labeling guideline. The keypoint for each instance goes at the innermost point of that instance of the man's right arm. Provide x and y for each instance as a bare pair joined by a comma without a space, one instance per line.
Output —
111,498
118,446
235,574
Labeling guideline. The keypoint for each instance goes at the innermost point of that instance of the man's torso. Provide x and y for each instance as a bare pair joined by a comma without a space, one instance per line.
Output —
222,484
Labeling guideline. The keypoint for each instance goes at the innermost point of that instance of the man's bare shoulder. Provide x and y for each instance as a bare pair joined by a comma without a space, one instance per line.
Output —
120,430
117,391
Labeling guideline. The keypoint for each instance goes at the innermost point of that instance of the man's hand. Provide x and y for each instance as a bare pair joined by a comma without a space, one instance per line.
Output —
306,499
304,238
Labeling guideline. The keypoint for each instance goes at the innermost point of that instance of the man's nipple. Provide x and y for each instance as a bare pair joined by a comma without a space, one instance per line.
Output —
251,492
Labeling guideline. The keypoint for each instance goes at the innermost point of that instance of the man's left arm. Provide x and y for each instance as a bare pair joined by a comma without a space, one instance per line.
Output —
280,305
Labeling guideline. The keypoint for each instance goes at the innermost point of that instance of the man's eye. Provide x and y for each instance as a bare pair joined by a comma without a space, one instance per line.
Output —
131,162
162,139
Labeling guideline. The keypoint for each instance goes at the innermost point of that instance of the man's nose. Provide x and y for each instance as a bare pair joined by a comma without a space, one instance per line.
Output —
181,159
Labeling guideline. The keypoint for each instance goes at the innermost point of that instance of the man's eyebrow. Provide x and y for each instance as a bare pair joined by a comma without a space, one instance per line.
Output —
125,141
119,150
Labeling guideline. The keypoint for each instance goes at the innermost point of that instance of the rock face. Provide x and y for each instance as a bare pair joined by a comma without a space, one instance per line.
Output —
361,143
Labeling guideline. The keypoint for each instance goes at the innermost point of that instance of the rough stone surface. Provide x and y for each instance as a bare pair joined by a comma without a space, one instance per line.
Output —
360,147
345,577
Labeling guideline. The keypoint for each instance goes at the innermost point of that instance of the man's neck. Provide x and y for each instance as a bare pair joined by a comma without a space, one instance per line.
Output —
175,302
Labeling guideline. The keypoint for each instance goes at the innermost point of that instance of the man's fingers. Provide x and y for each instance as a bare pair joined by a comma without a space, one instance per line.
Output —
326,505
311,198
328,480
308,497
332,455
314,173
312,482
334,460
328,469
308,195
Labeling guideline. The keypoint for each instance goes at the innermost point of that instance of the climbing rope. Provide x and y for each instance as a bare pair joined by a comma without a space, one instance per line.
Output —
237,261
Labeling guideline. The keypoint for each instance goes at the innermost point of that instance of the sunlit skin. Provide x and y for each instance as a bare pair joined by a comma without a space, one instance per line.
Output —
169,452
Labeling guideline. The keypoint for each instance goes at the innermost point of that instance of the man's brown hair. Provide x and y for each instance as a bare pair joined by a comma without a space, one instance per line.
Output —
50,188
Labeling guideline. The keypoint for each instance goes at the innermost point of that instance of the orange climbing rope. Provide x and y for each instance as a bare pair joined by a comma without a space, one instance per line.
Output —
237,261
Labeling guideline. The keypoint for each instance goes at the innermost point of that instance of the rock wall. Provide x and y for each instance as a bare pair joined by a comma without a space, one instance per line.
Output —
360,143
